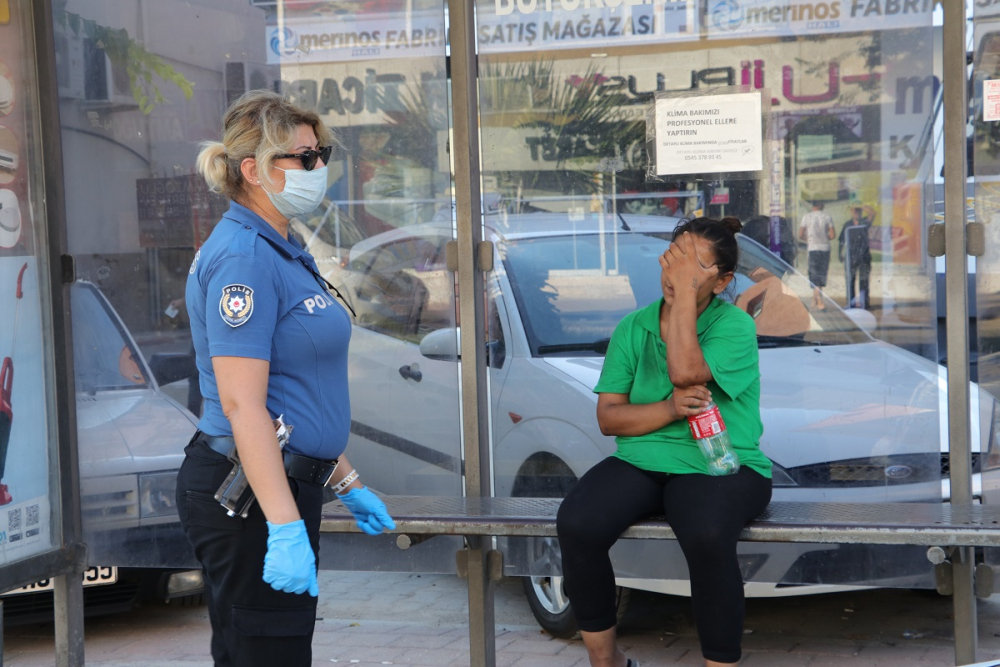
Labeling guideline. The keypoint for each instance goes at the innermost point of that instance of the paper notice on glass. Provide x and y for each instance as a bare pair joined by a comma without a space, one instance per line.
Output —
708,134
991,100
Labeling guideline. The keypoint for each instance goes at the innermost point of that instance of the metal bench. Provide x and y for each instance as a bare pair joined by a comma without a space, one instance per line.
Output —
921,524
939,526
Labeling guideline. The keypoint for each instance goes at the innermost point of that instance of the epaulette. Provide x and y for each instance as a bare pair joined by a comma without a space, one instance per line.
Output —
244,241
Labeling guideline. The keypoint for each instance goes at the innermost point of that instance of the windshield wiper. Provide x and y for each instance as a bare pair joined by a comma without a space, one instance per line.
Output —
625,226
788,341
599,346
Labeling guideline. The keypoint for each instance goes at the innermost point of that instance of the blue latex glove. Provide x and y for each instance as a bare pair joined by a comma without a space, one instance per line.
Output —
290,564
369,511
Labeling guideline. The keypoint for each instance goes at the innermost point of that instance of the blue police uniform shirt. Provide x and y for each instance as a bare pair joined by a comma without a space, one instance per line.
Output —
250,294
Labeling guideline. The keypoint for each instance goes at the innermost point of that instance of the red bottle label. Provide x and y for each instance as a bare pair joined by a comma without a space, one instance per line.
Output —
707,423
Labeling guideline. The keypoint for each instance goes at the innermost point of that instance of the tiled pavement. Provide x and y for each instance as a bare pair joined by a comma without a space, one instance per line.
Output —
374,619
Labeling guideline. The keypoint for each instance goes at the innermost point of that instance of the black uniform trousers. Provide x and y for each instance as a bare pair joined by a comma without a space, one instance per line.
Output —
253,625
707,514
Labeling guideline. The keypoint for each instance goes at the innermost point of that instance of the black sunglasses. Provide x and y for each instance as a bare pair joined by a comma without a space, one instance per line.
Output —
310,157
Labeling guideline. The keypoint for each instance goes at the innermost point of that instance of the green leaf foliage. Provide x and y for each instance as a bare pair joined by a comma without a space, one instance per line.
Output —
144,69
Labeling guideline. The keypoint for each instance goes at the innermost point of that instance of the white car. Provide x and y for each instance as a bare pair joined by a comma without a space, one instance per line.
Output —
847,418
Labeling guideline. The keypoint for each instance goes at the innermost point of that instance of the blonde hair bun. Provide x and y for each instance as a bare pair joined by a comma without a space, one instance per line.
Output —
211,164
261,125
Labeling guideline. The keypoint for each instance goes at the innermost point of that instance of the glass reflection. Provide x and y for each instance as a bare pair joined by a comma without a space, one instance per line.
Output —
852,389
140,85
983,205
569,305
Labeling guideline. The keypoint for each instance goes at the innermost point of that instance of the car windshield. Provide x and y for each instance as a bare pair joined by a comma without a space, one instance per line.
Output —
103,360
328,231
677,204
572,290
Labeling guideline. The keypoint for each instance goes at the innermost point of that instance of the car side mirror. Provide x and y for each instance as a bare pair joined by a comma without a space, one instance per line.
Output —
170,367
442,345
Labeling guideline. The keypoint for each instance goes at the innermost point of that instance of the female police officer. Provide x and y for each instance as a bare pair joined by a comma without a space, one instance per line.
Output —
270,342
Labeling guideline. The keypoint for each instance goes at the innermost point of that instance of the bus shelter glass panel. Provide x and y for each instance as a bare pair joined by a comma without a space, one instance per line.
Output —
851,381
983,206
31,512
141,84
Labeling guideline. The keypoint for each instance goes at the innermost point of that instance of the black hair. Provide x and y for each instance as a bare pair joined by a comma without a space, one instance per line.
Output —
721,234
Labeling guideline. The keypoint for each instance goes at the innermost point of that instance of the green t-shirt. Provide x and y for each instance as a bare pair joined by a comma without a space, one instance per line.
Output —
636,364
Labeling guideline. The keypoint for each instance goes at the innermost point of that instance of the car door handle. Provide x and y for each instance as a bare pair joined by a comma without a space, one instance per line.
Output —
411,373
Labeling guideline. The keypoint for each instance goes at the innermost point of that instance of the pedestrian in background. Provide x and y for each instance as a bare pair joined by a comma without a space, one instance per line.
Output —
855,240
271,344
817,231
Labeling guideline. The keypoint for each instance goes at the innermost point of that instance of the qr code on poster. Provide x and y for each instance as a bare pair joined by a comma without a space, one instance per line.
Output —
14,520
31,516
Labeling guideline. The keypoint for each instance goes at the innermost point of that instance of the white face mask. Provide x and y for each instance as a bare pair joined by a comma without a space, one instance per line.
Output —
303,191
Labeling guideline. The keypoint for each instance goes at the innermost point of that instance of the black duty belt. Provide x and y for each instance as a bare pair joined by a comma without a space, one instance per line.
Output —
304,468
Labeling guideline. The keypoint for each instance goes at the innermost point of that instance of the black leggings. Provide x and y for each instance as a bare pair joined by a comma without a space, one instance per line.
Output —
707,514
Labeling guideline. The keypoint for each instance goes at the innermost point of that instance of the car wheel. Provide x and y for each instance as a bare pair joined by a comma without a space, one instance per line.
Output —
550,606
548,477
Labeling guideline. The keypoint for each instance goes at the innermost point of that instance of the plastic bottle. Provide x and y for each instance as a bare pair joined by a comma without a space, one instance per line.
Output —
709,431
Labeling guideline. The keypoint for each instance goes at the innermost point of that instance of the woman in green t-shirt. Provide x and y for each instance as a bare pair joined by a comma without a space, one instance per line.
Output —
666,362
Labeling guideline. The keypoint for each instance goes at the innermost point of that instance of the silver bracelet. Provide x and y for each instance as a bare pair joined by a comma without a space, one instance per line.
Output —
346,482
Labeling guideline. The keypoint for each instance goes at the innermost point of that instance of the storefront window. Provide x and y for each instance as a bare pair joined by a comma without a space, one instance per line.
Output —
852,389
141,84
983,200
376,72
847,124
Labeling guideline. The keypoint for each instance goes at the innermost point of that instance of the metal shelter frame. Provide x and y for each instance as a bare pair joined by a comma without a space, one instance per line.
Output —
957,315
67,562
474,372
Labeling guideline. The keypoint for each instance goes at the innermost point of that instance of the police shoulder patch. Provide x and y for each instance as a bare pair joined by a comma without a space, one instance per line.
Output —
236,304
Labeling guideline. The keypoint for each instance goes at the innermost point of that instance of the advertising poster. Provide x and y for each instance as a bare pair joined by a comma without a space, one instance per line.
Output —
357,38
176,211
24,439
708,134
25,510
991,100
726,19
506,26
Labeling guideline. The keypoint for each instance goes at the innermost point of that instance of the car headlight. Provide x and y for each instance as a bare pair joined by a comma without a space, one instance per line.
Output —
157,494
780,476
184,583
992,459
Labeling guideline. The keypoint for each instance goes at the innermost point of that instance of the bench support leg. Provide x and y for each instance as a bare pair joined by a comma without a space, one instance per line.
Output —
964,604
68,597
482,624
